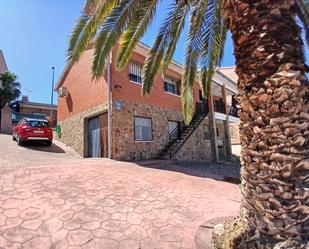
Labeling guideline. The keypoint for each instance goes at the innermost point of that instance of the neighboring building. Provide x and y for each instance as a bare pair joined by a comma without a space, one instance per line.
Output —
3,66
5,113
143,127
35,110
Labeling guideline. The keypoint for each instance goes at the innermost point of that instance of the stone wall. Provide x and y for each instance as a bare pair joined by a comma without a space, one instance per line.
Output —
234,127
196,147
74,128
125,148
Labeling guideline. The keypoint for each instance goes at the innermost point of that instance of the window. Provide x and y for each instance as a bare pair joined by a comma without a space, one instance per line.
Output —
171,85
135,73
37,123
20,122
142,129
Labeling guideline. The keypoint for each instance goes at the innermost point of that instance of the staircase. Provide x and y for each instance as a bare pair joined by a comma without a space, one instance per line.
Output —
181,134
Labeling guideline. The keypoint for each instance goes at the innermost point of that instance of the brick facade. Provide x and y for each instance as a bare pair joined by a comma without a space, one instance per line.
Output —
88,98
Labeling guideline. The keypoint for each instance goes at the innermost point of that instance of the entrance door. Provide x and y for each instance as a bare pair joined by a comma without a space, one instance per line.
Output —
94,137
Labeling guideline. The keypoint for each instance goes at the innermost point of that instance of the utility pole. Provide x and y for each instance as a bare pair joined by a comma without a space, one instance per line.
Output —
52,97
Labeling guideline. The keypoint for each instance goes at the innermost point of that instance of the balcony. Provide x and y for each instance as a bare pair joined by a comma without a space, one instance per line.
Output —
219,106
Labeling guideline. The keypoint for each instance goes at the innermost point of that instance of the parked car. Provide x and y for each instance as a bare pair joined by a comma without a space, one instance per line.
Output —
29,129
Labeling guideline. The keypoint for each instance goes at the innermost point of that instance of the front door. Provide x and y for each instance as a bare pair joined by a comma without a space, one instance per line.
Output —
94,137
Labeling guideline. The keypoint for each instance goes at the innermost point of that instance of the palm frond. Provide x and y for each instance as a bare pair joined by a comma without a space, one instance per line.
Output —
213,48
91,6
76,33
136,29
175,35
110,33
192,55
303,14
163,39
86,29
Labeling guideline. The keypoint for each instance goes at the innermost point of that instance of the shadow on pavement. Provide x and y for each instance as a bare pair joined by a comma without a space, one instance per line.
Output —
40,146
170,166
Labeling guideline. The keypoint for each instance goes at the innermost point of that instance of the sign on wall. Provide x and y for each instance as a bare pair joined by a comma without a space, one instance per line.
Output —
119,105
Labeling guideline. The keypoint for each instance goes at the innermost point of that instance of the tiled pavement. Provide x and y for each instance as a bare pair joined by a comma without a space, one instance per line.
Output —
33,154
104,204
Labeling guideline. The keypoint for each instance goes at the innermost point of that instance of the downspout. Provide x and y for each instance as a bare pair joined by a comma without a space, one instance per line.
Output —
109,119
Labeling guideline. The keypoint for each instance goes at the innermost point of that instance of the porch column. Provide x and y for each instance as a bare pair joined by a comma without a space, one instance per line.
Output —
226,124
212,127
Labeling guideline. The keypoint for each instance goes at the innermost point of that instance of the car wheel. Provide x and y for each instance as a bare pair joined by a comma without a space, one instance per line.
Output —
49,143
19,142
13,138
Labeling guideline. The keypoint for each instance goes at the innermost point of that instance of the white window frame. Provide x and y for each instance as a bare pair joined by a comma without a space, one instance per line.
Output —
171,81
138,129
135,70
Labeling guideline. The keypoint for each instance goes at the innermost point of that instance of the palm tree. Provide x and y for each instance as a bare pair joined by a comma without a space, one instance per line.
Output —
273,88
10,89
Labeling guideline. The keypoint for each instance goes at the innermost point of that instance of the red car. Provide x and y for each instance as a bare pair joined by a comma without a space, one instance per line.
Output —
29,129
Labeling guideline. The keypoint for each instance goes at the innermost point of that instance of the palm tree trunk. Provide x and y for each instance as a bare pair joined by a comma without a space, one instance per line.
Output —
273,95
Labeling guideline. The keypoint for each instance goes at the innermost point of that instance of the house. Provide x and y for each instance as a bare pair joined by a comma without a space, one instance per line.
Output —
35,110
144,127
3,66
5,112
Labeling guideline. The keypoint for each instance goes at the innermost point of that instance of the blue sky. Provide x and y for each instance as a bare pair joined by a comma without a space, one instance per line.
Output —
34,37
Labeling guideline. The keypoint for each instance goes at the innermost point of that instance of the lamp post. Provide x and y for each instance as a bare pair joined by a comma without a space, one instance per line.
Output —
52,96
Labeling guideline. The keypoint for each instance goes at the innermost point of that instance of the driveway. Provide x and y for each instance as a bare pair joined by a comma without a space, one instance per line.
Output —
104,204
12,155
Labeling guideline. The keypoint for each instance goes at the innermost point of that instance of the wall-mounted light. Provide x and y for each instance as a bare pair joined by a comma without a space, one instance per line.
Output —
117,87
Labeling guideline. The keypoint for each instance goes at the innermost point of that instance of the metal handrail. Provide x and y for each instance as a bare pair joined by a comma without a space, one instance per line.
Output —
200,113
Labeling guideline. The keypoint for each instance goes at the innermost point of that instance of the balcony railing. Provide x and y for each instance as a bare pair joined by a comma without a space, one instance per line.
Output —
234,111
219,106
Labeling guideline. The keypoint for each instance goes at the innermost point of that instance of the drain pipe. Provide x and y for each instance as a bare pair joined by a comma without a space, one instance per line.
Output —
109,120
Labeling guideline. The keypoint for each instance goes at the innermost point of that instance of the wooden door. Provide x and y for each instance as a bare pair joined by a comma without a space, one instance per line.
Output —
104,134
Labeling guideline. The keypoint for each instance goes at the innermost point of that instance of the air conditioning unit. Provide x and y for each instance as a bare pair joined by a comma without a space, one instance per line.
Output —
63,92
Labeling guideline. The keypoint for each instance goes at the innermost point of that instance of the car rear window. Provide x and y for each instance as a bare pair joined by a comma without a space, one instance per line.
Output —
36,123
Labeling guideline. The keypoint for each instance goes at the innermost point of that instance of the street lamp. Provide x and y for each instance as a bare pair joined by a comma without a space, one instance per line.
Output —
52,96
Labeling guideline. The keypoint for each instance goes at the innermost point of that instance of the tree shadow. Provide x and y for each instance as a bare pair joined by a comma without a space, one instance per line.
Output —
171,166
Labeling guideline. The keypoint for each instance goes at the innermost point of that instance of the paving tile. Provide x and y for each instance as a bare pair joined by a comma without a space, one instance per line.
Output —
18,234
31,224
99,243
31,213
130,244
79,237
38,243
11,213
74,203
119,216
